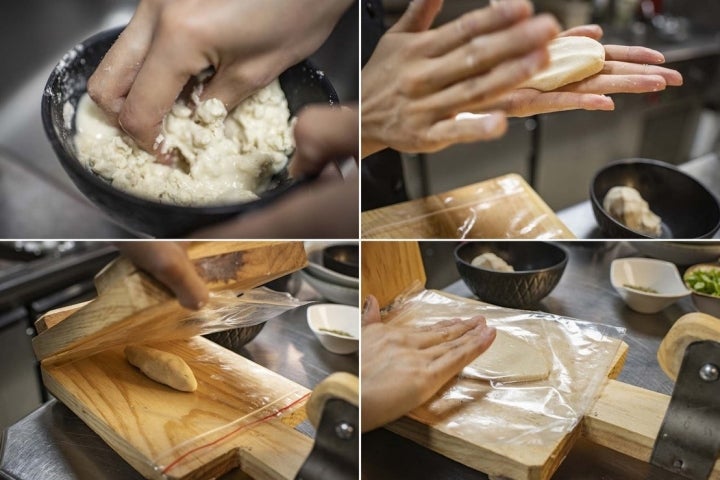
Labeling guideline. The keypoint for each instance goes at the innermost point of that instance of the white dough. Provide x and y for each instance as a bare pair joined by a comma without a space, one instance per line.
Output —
626,206
491,261
571,59
230,157
509,359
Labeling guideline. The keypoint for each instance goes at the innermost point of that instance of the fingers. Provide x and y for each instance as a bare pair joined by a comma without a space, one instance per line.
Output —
458,32
450,357
625,53
467,128
110,83
418,16
323,134
484,53
168,263
672,77
370,311
608,84
593,31
441,332
234,84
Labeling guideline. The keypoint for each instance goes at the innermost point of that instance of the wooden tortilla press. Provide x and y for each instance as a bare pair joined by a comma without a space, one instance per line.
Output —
168,434
681,434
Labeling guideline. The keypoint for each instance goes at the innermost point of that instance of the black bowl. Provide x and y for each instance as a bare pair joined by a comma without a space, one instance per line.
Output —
687,209
303,84
538,268
342,258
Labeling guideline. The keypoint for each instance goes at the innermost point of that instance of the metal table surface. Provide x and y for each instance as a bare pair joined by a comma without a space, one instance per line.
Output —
581,220
52,443
585,293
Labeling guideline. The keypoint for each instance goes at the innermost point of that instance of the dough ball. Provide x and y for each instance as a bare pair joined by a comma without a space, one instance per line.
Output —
571,59
163,367
491,261
626,205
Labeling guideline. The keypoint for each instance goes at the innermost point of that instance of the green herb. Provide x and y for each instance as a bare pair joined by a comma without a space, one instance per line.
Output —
641,289
342,333
704,281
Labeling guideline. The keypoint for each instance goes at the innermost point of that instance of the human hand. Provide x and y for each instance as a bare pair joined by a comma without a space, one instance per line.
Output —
404,366
169,264
326,208
626,70
167,42
418,79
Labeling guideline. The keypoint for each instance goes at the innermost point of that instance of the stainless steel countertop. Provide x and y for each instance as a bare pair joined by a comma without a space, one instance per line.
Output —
581,221
585,293
52,443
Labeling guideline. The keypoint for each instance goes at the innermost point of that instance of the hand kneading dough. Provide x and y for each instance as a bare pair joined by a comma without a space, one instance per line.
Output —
491,261
571,60
163,367
509,359
625,205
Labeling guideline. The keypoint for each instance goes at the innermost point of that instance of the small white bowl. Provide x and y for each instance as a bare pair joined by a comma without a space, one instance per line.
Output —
703,302
659,275
323,318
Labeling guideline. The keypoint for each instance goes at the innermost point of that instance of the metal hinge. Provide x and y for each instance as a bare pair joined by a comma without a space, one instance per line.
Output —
689,439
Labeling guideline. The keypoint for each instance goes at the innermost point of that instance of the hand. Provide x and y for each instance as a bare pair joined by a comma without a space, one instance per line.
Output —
418,80
167,42
627,70
326,208
403,366
169,264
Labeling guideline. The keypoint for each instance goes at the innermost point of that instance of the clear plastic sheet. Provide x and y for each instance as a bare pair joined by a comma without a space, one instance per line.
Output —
504,207
534,413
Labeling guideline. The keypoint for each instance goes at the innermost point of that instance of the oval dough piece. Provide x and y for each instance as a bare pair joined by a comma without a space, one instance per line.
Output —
509,359
163,367
571,60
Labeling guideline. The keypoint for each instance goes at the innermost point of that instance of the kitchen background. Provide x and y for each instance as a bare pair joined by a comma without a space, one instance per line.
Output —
559,153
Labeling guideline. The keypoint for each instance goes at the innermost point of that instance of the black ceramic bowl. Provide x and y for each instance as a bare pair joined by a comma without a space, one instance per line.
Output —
538,268
687,209
302,83
342,258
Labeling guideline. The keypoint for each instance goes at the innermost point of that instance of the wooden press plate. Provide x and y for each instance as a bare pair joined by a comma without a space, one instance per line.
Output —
503,207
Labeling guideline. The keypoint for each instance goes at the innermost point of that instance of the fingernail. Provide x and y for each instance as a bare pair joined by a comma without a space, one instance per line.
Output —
366,305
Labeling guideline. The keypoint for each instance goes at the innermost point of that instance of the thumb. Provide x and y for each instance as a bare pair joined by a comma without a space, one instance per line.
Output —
370,311
418,17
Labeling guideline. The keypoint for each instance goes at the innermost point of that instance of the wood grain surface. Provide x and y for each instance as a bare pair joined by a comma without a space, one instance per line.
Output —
503,207
689,328
151,425
133,305
388,268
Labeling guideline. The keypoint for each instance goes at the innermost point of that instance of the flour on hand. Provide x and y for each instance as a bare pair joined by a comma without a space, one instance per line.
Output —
227,158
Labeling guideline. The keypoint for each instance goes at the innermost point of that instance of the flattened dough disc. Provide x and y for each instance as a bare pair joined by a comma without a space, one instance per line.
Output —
509,359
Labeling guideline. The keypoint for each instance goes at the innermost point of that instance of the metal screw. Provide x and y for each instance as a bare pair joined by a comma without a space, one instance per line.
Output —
344,430
709,372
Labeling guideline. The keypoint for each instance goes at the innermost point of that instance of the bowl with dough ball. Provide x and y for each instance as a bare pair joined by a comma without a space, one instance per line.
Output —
647,285
703,280
224,164
511,274
642,198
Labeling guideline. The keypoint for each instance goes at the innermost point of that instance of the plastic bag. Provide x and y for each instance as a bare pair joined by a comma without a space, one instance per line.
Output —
541,412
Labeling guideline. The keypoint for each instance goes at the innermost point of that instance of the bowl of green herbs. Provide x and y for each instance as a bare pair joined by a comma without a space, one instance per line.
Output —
703,280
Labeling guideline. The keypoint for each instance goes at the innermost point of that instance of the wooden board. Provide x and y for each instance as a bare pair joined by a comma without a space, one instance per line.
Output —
142,419
134,305
388,268
503,207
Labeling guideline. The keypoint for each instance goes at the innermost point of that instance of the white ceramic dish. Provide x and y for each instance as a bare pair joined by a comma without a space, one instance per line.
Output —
659,275
703,302
316,268
323,318
331,291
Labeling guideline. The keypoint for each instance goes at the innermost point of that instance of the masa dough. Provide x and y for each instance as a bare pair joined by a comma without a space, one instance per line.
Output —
626,205
490,261
572,59
509,359
228,158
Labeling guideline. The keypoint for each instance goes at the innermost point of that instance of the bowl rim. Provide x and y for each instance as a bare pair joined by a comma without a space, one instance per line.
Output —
331,305
77,168
700,265
655,163
614,265
560,264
